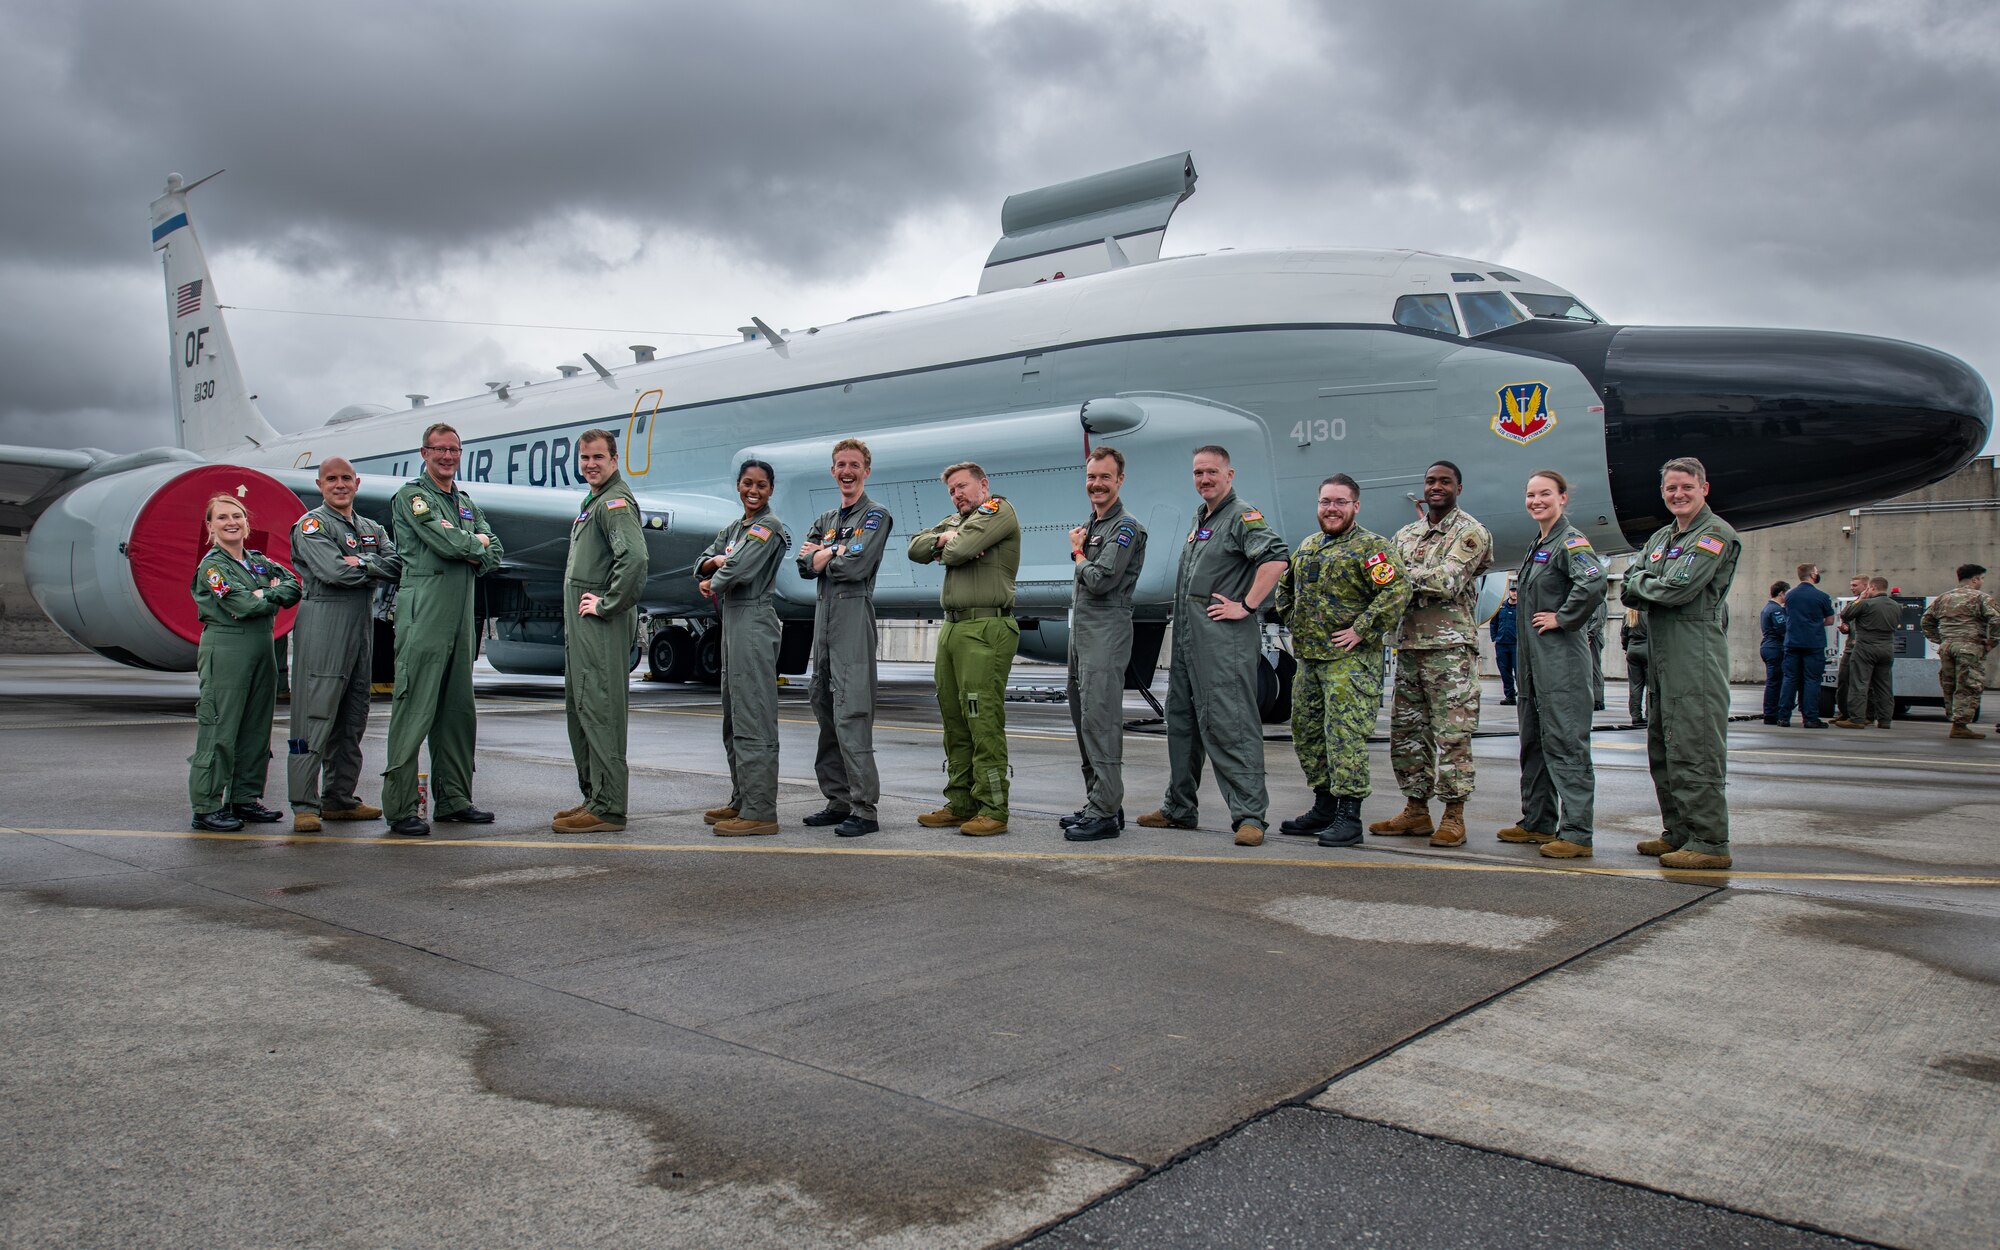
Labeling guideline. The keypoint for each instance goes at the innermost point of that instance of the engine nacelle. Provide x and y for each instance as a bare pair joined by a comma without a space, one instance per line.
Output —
113,561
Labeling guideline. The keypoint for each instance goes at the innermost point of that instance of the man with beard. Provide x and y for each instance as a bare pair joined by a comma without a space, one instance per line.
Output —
1108,552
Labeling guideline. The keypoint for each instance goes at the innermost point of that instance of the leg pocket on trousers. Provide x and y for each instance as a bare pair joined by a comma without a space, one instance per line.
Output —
205,711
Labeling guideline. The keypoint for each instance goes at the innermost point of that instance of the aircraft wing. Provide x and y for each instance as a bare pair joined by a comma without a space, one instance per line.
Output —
31,478
533,523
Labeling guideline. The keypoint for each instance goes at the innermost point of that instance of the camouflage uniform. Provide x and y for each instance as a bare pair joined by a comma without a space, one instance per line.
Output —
1335,583
1682,583
1963,624
1436,708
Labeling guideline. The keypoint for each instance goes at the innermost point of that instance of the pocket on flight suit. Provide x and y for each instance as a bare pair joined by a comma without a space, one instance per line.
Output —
323,692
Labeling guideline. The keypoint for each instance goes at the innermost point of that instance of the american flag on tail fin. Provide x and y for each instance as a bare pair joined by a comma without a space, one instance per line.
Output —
188,298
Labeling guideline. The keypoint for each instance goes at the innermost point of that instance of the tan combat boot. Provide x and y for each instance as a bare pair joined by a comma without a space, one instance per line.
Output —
1414,821
737,828
1158,819
944,818
1249,833
1841,722
1959,730
1451,830
305,822
716,815
1693,859
586,822
567,813
1654,846
1563,848
360,811
982,827
1517,833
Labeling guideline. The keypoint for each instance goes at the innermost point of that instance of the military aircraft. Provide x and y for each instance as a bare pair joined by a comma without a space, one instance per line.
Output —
1302,362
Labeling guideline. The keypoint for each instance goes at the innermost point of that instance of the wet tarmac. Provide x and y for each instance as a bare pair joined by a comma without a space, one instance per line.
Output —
503,1036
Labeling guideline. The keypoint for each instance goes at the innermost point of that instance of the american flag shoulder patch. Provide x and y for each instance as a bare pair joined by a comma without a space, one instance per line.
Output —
1711,544
614,503
1574,541
762,533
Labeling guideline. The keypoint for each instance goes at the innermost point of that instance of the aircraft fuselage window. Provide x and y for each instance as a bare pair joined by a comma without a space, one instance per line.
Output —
1557,307
1466,277
1498,276
1486,311
1426,312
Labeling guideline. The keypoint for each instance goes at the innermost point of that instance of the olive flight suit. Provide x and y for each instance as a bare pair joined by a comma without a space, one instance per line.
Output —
1963,624
1564,575
436,533
1436,706
752,549
607,558
333,653
239,675
1350,581
842,689
1870,660
1212,682
975,650
1681,582
1100,650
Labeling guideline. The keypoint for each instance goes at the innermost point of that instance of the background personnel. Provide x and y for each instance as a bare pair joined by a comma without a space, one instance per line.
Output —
1108,551
236,592
1505,639
1870,623
602,579
1681,583
1230,566
1771,648
980,547
445,543
1436,706
1561,588
737,573
842,552
1632,636
1340,594
341,555
1963,624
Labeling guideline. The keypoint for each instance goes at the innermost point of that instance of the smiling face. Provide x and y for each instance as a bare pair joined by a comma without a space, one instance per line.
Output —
596,461
1684,494
1101,481
337,484
1546,501
1441,487
850,473
754,489
228,524
1212,477
1338,507
968,491
441,452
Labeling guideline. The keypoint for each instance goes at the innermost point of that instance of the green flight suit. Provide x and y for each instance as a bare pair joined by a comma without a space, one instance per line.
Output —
1212,681
842,689
607,558
436,533
1638,655
236,601
1334,583
975,650
1963,624
752,549
1100,650
1562,574
1870,657
1435,710
1681,583
334,653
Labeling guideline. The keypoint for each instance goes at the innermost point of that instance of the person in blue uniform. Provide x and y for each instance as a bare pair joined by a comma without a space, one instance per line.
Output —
1808,611
1501,627
1771,648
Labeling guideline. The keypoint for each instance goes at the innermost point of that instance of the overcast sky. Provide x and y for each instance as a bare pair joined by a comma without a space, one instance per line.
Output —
645,171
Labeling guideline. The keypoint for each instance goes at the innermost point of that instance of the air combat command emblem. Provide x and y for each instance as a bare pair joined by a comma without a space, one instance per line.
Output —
1522,413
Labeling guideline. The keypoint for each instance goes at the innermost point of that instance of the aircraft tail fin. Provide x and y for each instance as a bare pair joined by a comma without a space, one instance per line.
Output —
1088,225
213,410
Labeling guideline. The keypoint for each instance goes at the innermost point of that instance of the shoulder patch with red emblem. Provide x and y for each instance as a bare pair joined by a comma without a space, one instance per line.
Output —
418,506
1382,574
309,526
215,582
991,506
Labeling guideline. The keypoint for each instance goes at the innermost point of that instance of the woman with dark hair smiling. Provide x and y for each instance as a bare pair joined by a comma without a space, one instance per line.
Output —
737,573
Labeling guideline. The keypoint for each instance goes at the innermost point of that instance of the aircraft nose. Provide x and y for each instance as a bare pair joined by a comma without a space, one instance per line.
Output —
1789,423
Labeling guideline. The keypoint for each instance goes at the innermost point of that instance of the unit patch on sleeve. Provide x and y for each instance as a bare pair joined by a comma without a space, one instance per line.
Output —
990,507
418,506
351,542
465,512
1673,553
215,582
1711,544
309,526
1382,574
855,549
1124,535
873,521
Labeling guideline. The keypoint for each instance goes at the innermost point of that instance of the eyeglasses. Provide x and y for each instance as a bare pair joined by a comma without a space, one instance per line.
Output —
445,451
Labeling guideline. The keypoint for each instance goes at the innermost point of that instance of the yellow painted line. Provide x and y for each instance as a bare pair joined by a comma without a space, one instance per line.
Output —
1840,757
1418,864
792,720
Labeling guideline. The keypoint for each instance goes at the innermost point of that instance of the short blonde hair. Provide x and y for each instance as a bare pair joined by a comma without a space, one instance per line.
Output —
854,444
963,466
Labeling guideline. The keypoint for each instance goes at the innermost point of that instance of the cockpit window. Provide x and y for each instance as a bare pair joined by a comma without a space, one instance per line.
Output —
1466,277
1557,307
1426,312
1498,276
1486,311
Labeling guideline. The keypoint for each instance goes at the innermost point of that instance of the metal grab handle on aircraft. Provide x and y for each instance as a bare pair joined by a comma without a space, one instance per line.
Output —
637,464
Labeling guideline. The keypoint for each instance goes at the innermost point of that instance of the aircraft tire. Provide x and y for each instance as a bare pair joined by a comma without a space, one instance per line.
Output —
672,654
708,658
1274,688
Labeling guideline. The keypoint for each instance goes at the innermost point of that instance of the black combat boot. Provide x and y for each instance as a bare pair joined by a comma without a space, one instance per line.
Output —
1345,827
1315,820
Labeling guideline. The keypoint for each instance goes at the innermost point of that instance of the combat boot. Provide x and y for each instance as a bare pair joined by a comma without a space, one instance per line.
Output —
1520,833
1959,730
305,822
1249,833
1693,859
1654,846
944,818
1345,827
734,828
1451,830
983,827
1414,821
1841,722
716,815
568,813
1316,820
360,811
1562,848
589,822
1158,819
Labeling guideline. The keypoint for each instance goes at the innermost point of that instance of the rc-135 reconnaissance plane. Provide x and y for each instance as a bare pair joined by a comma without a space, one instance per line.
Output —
1303,362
